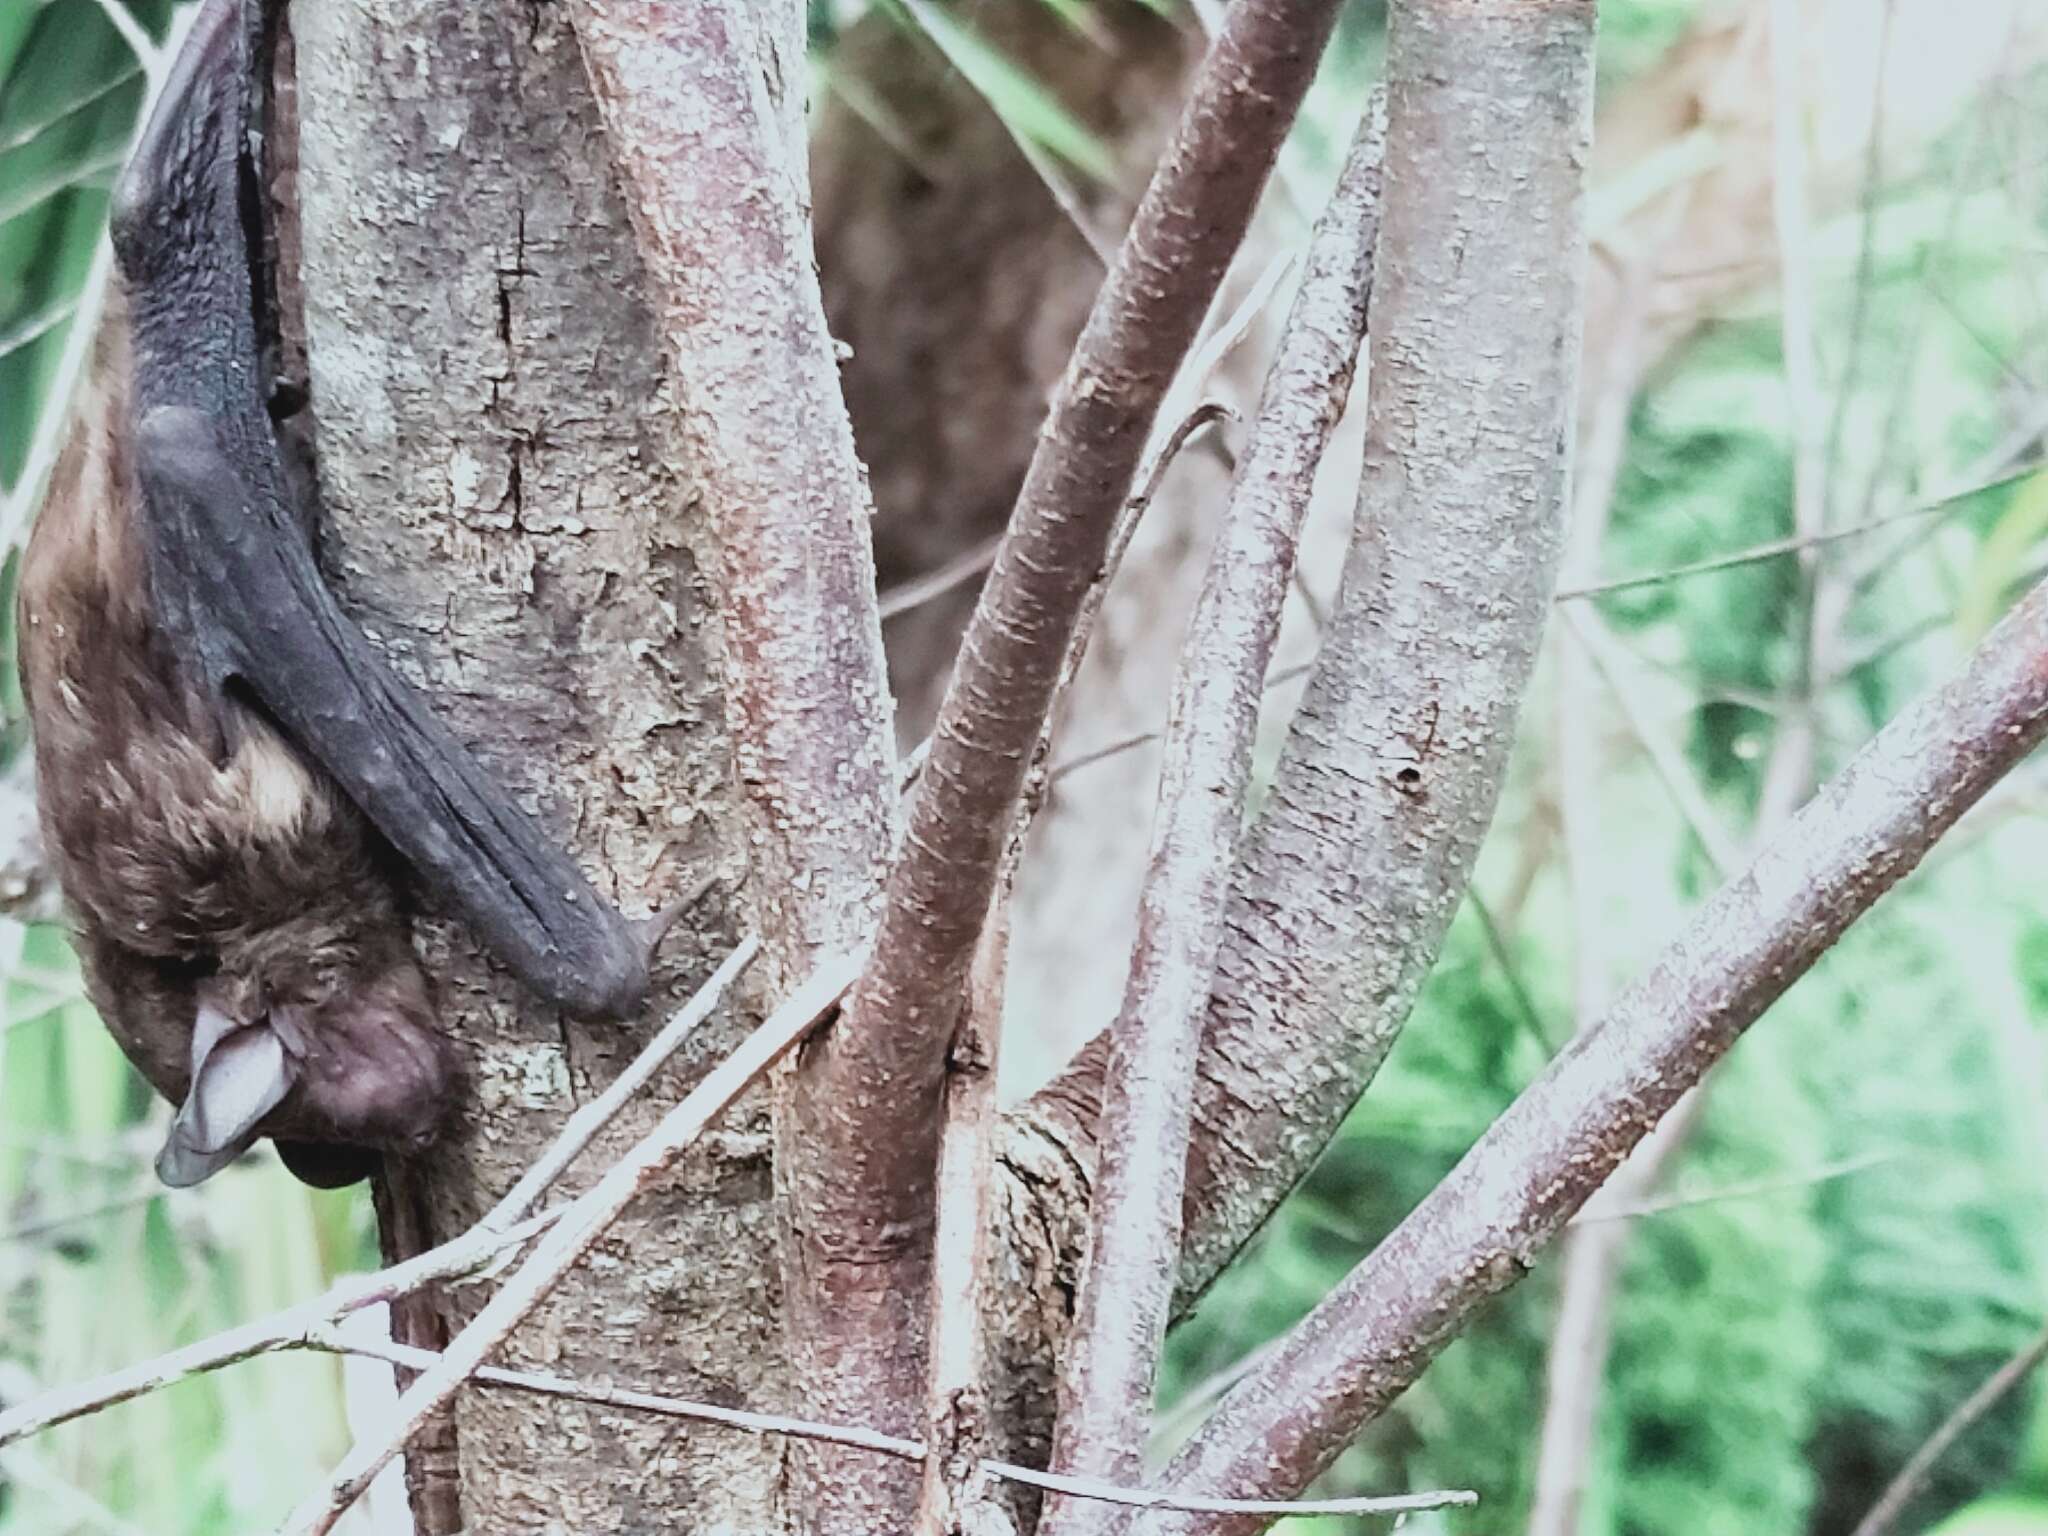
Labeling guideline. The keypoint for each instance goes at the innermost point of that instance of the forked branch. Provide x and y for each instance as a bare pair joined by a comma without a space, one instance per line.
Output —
1394,761
861,1145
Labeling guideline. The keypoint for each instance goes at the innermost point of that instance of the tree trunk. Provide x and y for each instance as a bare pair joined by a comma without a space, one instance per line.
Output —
496,449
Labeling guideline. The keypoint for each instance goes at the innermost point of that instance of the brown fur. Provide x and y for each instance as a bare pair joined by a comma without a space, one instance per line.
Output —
203,858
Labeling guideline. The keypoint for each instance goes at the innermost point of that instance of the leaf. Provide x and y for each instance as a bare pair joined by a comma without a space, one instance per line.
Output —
2002,558
1027,108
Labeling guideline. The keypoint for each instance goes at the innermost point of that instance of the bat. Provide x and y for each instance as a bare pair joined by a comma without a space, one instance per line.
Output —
241,798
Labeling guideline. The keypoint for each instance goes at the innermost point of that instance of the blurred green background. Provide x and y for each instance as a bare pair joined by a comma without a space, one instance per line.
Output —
1851,1239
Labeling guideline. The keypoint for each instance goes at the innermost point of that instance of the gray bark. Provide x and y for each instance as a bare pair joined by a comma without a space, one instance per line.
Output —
496,450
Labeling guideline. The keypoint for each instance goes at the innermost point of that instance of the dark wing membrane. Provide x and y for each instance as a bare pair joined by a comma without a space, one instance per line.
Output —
231,556
234,579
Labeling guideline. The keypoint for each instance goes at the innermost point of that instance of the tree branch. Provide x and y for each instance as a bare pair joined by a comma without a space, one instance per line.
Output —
1135,1220
547,1384
703,107
1481,1229
956,1397
862,1133
1392,767
1912,1477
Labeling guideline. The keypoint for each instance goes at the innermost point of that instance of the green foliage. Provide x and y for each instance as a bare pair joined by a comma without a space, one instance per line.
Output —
69,90
1876,1249
1998,1517
1854,1238
1032,113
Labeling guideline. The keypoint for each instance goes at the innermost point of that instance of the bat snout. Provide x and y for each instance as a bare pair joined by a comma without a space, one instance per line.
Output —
376,1077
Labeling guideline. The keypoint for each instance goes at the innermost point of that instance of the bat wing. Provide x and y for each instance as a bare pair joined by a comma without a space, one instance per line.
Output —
233,576
236,580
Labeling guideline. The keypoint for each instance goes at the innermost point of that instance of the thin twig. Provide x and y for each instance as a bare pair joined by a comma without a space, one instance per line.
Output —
1495,936
459,1256
1666,760
1601,1209
1804,408
1131,743
582,1126
1135,1213
1208,414
1105,752
1912,1477
853,1438
1214,349
1824,598
266,1335
1943,503
1866,265
1998,467
43,1226
959,570
548,1384
581,1225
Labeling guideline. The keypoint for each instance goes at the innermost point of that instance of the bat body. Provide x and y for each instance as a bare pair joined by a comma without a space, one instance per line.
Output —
238,793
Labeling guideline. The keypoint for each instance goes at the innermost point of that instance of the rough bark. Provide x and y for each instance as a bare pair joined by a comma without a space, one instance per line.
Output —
1135,1227
496,447
703,106
699,109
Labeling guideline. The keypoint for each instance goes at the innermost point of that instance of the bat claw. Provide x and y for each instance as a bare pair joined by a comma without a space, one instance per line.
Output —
654,930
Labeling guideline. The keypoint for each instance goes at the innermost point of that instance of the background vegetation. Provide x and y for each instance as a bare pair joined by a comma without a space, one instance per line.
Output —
1850,1241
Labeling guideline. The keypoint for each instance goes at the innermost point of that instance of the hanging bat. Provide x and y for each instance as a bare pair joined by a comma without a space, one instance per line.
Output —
239,795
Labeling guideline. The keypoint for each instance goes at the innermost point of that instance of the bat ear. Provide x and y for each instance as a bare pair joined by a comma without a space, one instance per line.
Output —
240,1073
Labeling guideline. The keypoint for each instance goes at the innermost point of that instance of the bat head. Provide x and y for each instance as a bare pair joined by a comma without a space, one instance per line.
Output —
330,1047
